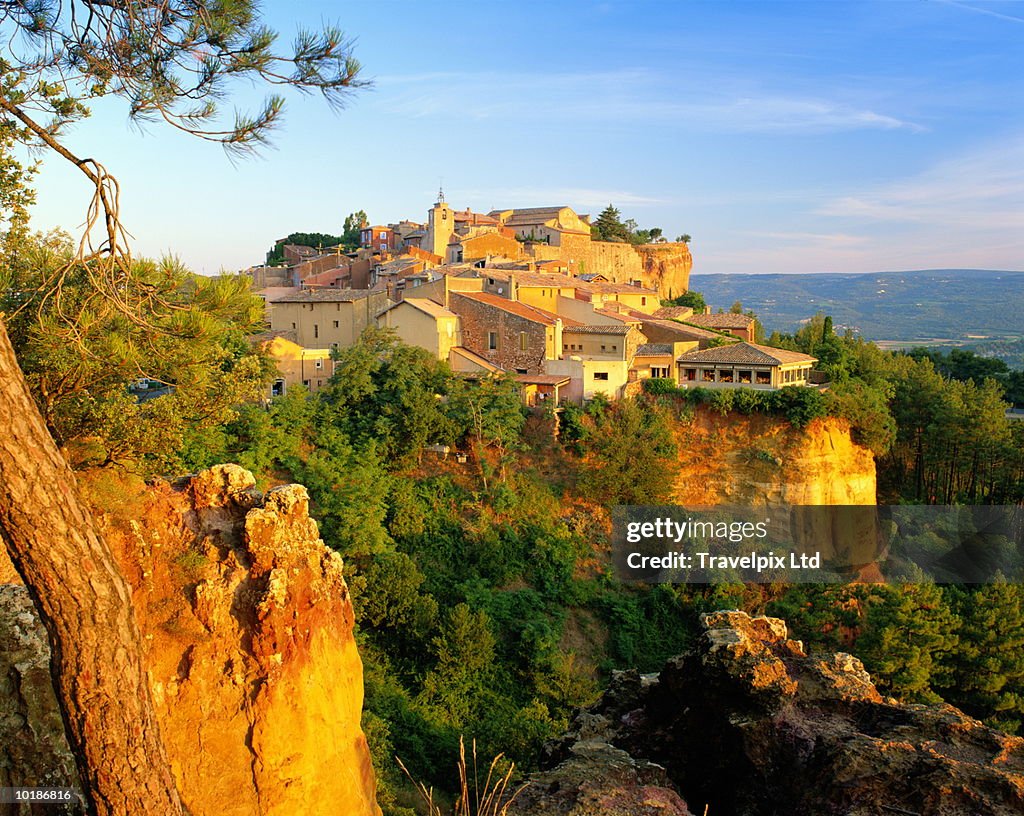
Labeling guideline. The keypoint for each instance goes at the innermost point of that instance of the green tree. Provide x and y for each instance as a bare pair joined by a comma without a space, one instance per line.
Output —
695,300
351,231
629,456
316,240
867,410
988,667
609,226
489,413
908,638
465,651
80,353
389,394
173,61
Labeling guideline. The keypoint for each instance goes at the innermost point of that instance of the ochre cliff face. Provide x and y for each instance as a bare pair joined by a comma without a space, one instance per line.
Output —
666,268
765,461
251,659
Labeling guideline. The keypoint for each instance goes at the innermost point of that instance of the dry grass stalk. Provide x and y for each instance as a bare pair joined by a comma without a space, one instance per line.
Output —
490,800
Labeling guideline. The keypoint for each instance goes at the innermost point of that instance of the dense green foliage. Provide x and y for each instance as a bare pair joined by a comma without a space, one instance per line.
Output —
938,439
963,365
695,300
349,239
798,405
609,226
80,351
316,240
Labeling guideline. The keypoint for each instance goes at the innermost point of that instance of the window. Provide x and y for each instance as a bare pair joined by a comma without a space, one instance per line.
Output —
689,374
615,348
764,378
336,324
520,371
319,362
522,341
306,383
565,346
601,375
277,390
744,376
316,329
707,375
334,345
492,341
725,375
490,281
602,347
643,301
657,371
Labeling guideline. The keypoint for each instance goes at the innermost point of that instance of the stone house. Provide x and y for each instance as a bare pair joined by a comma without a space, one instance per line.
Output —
424,323
746,365
310,367
738,325
327,318
509,334
378,239
482,242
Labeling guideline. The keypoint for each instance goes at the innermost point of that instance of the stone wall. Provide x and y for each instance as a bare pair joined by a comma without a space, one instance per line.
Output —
479,319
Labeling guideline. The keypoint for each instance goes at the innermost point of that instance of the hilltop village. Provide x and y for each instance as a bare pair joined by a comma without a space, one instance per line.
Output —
527,292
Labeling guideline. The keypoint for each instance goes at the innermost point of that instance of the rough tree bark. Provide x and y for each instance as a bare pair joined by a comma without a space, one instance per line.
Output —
86,605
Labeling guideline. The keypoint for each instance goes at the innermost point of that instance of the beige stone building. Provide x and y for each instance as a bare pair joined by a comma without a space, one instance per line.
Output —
309,367
327,318
424,323
738,325
746,365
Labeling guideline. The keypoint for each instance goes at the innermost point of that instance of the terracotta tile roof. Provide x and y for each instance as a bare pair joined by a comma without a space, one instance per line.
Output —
621,315
684,330
674,312
473,357
510,306
531,279
328,295
271,335
747,354
542,379
272,294
608,287
425,305
721,321
654,350
621,328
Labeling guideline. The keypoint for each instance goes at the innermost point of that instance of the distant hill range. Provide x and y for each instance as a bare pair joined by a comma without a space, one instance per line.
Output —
980,308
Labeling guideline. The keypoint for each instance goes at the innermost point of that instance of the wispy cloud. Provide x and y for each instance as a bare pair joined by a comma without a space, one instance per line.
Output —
982,10
630,95
965,211
983,190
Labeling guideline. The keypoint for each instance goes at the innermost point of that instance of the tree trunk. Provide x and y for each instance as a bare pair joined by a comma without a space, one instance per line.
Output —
86,605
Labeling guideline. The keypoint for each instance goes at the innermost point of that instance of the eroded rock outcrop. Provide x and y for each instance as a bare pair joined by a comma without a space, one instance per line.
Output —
247,624
747,723
33,749
759,460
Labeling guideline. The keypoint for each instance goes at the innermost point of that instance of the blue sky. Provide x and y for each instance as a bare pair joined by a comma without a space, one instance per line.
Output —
784,137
